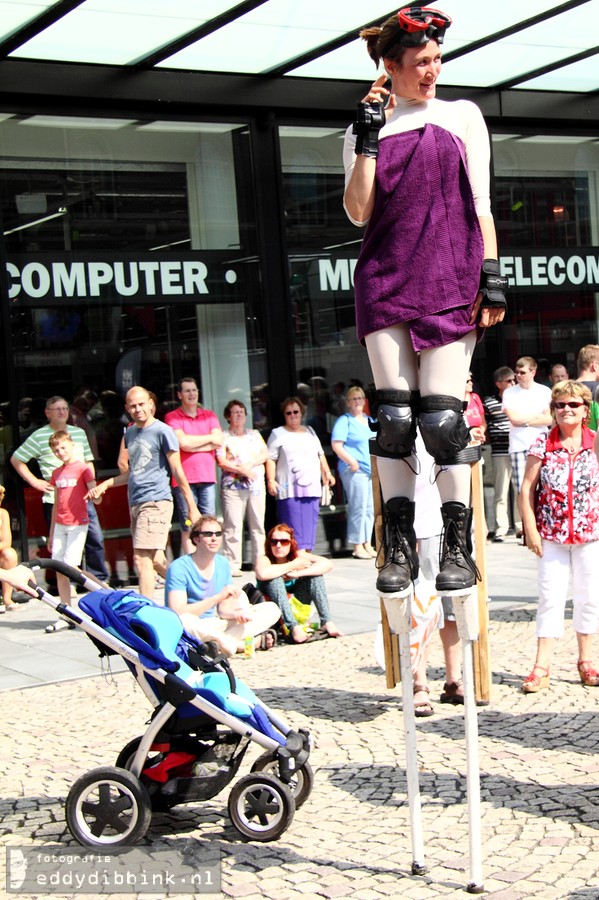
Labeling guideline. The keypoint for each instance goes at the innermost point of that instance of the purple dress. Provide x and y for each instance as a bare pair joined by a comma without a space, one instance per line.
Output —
297,455
422,253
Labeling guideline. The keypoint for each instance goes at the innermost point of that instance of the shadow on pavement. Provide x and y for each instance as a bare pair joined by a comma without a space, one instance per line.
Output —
328,703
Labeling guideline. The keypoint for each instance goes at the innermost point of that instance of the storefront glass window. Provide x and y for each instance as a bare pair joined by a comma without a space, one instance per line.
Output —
547,202
131,259
323,246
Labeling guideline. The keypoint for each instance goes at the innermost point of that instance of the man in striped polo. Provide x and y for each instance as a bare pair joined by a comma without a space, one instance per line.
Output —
36,447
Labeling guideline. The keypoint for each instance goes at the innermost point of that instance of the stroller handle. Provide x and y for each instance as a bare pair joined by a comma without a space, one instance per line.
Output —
70,572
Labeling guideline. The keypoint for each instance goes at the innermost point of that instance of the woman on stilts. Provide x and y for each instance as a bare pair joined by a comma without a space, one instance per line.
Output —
426,283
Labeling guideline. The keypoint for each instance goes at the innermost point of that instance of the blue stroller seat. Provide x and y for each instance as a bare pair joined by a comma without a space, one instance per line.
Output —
155,633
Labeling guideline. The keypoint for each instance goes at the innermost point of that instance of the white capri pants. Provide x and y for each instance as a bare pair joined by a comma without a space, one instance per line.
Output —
68,543
553,576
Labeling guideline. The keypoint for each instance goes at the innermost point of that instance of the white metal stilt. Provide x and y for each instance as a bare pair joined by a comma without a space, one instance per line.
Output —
466,612
399,614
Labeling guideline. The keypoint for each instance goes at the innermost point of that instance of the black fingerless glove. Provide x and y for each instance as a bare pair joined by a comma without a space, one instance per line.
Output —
492,285
370,118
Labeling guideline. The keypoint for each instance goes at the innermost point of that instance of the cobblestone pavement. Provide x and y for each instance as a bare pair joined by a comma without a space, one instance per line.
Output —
539,776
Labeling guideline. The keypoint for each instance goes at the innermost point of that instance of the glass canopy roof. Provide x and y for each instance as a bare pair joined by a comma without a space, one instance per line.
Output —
535,45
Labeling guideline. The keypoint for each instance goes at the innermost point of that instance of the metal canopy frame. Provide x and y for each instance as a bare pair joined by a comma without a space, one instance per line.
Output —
276,87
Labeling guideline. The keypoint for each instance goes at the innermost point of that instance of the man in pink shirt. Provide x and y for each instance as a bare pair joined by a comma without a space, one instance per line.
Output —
199,434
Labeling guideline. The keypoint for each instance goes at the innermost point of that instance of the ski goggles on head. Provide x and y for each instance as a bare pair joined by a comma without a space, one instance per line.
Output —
421,24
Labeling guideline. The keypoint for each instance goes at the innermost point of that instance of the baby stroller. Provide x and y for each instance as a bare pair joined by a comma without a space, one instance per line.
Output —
202,724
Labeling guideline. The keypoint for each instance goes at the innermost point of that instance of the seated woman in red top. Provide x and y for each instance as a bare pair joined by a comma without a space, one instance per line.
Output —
561,523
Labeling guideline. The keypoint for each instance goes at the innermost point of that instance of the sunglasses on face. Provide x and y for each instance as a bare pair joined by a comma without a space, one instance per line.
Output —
293,412
282,541
568,404
211,534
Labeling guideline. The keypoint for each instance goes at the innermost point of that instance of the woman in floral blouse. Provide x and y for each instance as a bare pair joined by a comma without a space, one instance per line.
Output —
560,513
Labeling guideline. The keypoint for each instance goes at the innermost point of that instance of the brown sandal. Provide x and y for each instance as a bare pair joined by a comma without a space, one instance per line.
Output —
533,683
423,709
453,693
267,639
589,675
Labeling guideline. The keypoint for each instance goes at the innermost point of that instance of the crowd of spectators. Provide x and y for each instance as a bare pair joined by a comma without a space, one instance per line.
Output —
176,456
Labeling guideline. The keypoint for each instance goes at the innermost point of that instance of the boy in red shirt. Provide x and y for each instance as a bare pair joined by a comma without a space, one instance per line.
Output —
68,529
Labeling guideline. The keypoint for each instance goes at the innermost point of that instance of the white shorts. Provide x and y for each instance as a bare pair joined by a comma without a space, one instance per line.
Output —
555,565
68,542
227,633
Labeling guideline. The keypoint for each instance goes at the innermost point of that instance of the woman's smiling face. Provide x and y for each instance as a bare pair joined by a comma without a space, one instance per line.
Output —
573,412
415,78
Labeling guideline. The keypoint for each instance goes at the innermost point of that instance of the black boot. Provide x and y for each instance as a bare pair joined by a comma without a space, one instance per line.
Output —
457,568
400,565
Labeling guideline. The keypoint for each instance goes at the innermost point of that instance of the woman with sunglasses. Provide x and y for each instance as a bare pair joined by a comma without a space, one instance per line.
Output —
426,281
560,514
199,588
286,569
295,472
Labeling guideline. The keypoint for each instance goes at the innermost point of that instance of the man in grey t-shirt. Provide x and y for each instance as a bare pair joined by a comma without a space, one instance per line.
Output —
153,451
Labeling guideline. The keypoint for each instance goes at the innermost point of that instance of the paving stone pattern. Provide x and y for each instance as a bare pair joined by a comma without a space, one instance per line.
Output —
539,775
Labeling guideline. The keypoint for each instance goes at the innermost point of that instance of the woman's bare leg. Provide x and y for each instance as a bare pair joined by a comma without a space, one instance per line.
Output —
394,367
444,371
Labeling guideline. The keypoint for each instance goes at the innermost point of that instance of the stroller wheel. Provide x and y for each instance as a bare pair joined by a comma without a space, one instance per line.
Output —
261,807
301,783
108,807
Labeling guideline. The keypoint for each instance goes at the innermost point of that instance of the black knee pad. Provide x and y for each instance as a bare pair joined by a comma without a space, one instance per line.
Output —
443,428
395,413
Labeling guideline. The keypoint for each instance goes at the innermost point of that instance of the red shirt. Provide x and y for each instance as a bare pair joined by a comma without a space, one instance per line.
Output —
71,482
475,411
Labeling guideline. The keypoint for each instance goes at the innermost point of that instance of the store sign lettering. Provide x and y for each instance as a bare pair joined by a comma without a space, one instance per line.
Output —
162,278
543,271
551,271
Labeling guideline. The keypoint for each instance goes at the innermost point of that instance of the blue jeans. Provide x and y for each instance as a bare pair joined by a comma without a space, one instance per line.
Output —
94,545
204,494
308,589
360,506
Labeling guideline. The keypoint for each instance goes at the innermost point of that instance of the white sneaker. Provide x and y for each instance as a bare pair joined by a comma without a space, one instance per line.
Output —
59,625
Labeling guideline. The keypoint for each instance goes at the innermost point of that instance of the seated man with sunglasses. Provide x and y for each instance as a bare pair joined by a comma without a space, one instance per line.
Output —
199,588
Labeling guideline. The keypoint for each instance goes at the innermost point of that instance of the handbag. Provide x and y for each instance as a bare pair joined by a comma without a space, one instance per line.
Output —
326,495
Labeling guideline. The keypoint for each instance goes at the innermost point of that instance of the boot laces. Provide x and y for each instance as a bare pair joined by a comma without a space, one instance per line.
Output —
453,549
395,548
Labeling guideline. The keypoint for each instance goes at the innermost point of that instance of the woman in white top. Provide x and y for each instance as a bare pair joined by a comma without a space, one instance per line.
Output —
241,458
295,471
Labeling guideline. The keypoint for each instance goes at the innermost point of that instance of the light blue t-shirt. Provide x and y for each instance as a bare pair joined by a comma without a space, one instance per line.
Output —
149,471
355,436
184,575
